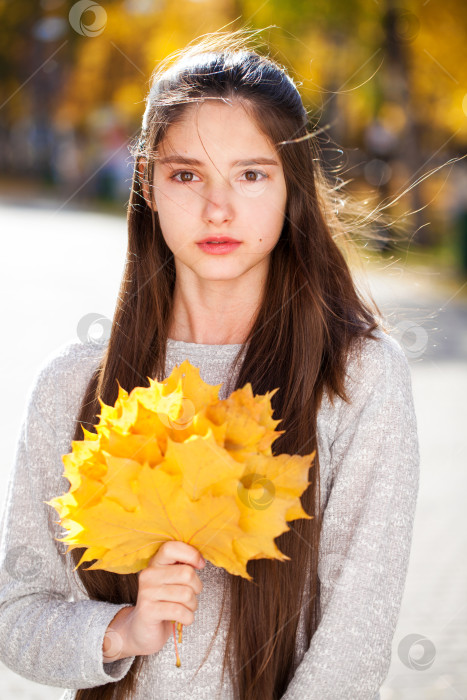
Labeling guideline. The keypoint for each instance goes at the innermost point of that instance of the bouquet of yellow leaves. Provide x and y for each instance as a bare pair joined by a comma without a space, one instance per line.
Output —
174,462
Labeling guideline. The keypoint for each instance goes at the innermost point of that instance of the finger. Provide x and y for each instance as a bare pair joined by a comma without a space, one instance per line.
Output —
175,611
173,552
174,593
180,574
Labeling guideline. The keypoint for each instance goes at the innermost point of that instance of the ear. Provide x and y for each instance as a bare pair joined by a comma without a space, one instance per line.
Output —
145,185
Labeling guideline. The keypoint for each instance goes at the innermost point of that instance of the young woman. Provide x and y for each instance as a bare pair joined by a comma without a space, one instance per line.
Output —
233,262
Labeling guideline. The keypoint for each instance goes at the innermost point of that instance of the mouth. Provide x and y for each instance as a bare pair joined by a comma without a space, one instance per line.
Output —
218,245
218,240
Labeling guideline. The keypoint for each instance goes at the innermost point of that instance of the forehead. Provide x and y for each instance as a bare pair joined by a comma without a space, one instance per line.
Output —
216,128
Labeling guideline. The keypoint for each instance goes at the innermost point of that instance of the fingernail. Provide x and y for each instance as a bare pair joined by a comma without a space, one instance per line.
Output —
201,562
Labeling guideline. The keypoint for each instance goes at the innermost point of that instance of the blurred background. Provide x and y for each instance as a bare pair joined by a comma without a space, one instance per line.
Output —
386,82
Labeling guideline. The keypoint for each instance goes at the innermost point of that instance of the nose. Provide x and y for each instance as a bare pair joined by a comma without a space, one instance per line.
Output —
217,207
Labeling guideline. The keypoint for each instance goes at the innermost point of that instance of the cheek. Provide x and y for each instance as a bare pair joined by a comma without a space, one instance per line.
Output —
170,196
272,213
176,210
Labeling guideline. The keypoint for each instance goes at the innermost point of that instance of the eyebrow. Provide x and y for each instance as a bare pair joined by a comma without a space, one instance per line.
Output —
194,161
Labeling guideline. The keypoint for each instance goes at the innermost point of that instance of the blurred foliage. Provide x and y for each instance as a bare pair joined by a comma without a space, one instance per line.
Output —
388,82
322,43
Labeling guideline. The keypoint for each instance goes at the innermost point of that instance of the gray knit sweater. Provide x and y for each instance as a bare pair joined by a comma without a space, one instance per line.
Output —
52,633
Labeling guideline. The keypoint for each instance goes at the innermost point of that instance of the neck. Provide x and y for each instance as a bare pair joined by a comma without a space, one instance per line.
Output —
214,312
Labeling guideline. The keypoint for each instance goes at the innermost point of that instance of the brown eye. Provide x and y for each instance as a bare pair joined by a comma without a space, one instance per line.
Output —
255,176
180,176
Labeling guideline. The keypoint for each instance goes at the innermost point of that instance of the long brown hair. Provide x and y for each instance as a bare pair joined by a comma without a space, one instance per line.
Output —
311,315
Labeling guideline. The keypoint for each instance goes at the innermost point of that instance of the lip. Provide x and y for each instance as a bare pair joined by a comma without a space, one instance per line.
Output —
218,239
221,248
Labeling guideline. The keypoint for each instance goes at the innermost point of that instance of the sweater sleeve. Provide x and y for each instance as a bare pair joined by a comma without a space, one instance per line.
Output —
366,534
45,635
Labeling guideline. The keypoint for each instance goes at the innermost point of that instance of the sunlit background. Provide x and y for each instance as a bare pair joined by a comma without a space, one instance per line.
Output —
385,84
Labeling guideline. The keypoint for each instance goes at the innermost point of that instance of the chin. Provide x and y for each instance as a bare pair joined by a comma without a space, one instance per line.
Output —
217,275
219,278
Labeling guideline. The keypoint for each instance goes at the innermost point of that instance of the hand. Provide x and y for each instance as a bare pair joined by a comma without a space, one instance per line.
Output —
167,591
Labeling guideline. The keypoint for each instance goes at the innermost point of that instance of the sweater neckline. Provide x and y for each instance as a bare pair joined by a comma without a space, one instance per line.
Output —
183,345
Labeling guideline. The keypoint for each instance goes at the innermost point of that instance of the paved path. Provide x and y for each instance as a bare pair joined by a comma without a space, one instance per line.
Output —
429,660
64,265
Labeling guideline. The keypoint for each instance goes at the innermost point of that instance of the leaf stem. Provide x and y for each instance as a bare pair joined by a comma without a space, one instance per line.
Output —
178,662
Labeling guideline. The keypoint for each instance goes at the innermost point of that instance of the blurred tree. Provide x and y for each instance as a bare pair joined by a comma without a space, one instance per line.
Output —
357,63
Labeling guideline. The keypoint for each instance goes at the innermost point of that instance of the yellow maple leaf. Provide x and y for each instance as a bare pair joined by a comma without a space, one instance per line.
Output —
173,462
209,477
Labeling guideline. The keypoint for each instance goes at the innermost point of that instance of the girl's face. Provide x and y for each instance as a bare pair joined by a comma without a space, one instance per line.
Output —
218,175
